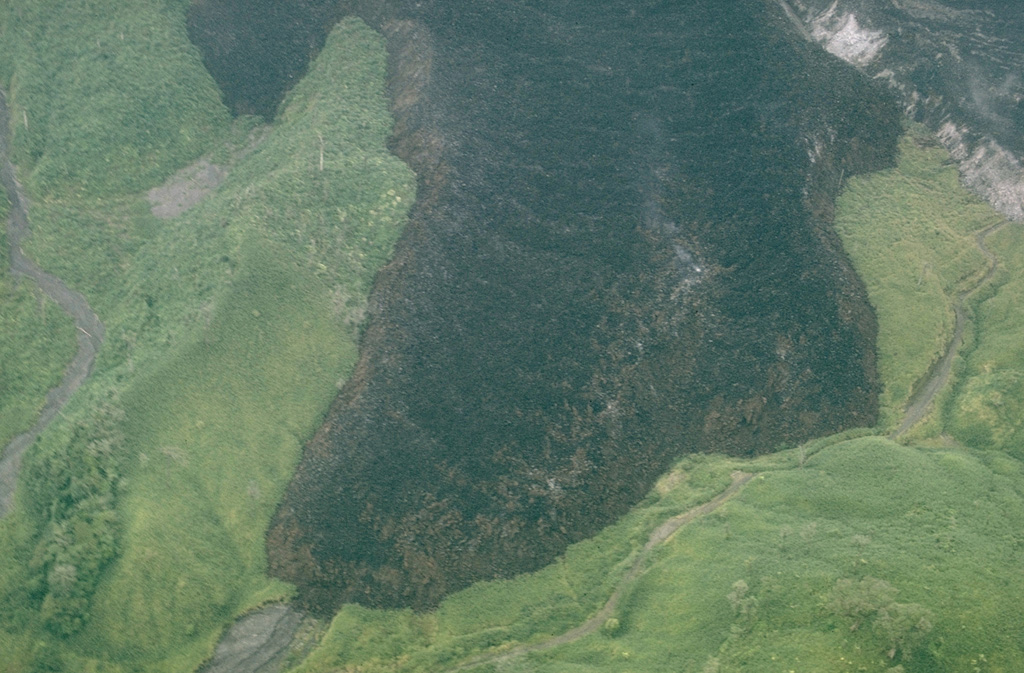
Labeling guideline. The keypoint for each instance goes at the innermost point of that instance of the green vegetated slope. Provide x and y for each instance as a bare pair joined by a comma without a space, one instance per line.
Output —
756,587
852,553
910,232
139,532
988,411
36,342
107,105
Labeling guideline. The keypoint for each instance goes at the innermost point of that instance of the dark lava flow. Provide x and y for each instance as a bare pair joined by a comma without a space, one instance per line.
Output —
620,253
257,50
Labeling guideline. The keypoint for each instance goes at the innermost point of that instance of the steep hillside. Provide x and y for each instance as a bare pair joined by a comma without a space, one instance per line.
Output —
956,66
622,251
138,523
848,553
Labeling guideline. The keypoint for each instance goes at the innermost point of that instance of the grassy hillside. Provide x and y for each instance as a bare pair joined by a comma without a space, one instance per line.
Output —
109,96
910,234
140,531
850,553
988,410
36,342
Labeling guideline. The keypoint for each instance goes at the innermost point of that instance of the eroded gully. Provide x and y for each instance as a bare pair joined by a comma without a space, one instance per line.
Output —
921,401
88,328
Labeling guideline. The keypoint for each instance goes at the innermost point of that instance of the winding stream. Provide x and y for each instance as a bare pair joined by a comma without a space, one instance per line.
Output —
257,642
921,401
88,327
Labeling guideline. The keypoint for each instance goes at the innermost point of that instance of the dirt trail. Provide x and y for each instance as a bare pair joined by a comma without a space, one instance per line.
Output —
89,329
659,535
921,401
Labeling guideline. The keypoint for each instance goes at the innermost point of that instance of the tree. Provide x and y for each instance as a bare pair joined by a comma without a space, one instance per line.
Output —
858,600
905,626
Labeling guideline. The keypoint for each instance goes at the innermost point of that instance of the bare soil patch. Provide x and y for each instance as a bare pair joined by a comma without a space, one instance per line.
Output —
185,189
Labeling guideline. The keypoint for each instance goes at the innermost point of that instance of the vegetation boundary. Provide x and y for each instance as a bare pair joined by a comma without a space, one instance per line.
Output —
915,410
657,536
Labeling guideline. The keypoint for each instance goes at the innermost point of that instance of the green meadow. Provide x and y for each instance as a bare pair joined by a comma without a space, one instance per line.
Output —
988,410
910,233
138,532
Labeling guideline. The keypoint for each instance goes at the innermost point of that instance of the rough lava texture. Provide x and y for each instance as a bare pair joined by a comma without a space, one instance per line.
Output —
258,49
956,66
620,253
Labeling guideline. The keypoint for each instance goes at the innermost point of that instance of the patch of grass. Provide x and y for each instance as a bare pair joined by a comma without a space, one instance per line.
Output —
214,454
219,424
111,97
105,235
946,533
909,232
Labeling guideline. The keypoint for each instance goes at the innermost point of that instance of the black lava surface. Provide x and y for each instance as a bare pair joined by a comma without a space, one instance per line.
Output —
620,253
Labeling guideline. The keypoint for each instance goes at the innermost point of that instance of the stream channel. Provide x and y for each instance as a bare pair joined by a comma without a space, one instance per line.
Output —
256,643
88,328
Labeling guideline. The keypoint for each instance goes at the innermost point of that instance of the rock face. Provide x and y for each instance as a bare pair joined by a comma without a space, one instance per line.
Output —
620,253
956,66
